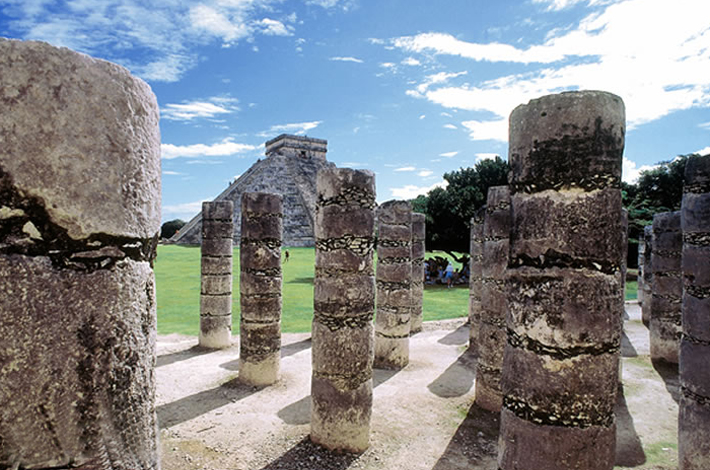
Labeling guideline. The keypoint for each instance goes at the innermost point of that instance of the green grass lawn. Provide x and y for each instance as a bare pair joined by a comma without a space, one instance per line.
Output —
177,274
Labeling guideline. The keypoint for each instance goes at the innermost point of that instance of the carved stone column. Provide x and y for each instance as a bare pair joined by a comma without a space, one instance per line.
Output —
647,275
474,288
418,255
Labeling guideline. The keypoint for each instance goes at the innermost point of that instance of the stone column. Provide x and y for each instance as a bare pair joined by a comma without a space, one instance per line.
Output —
394,285
474,285
260,288
641,258
694,416
492,328
647,275
344,304
216,285
624,254
666,300
418,254
80,217
564,329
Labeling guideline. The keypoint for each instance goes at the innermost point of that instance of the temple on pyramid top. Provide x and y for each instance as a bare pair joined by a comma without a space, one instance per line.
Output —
290,168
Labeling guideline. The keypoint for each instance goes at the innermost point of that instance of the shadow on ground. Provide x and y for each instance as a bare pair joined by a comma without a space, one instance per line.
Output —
629,450
458,378
457,337
475,442
305,454
182,355
195,405
669,373
627,349
286,350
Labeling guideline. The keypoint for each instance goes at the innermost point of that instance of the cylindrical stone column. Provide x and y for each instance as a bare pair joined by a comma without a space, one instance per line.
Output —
344,304
260,288
647,275
394,284
80,217
639,277
666,300
216,267
492,332
694,415
564,329
418,254
474,283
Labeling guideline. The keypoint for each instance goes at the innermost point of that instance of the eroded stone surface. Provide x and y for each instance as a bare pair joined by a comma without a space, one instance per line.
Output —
647,275
474,289
418,254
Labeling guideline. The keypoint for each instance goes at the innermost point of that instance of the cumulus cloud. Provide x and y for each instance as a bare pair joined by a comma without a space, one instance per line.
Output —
411,191
297,128
703,151
223,148
671,45
630,172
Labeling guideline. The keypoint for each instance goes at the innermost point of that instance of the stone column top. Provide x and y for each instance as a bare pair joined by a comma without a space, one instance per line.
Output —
96,182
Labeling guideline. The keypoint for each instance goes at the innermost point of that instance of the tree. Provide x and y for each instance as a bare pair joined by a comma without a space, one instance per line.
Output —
171,227
449,210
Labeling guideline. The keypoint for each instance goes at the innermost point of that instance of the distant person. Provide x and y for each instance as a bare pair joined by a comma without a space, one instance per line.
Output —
449,276
286,256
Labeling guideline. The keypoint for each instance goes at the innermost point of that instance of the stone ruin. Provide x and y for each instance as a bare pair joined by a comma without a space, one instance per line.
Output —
80,218
289,169
418,254
547,246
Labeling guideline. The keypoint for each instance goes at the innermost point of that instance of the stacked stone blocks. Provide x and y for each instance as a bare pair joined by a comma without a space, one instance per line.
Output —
492,327
260,288
647,275
694,414
475,280
394,285
564,329
344,305
418,254
216,279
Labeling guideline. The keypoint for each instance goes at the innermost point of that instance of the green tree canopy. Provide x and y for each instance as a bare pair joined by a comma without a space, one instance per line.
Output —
170,228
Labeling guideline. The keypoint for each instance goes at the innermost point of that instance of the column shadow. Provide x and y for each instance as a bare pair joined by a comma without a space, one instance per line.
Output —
310,456
475,440
299,412
669,373
203,402
287,350
629,450
457,379
457,337
185,354
627,348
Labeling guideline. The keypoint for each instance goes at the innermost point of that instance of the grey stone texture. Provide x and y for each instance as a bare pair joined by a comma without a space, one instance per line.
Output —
216,278
344,305
647,275
476,278
418,255
492,332
260,288
289,169
694,412
80,205
640,261
394,285
667,296
560,366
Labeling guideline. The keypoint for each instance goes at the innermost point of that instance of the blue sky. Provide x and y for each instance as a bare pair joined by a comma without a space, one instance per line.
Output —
410,89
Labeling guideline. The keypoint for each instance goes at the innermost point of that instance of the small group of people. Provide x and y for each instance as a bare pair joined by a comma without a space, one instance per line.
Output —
439,270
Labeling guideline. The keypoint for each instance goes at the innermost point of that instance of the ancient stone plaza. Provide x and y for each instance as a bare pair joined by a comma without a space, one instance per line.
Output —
530,377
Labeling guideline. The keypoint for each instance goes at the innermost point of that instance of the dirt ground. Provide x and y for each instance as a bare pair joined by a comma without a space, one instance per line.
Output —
422,416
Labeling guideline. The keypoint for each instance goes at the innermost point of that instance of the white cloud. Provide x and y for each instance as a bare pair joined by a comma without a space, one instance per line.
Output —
411,191
555,5
449,154
387,65
347,59
705,125
297,128
271,27
630,173
186,210
411,61
354,165
704,151
190,110
487,130
171,173
450,126
485,156
664,61
224,148
422,116
435,79
425,173
406,168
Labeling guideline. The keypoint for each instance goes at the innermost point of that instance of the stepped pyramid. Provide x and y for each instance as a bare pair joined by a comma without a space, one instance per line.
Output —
289,169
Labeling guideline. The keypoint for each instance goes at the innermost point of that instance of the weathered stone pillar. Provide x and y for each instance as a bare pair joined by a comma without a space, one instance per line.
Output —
394,285
216,286
666,301
260,288
647,275
564,329
344,304
641,258
492,328
418,255
624,254
79,218
474,284
694,416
